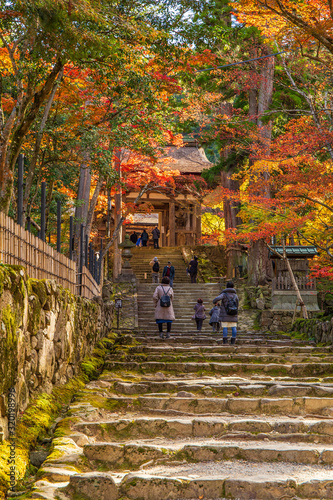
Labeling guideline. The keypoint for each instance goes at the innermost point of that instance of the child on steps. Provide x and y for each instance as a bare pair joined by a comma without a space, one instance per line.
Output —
215,317
199,314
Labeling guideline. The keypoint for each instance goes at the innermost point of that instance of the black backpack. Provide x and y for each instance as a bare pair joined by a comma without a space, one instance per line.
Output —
156,267
231,307
165,300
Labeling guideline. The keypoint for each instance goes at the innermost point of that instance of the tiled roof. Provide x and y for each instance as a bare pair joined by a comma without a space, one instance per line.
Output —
296,251
189,159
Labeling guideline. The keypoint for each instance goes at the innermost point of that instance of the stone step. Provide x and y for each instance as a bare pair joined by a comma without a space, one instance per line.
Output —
229,480
262,428
249,389
235,405
240,334
219,357
135,454
230,348
291,370
208,340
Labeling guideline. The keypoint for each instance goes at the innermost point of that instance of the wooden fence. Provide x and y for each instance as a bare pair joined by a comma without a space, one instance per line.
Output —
86,285
20,247
284,283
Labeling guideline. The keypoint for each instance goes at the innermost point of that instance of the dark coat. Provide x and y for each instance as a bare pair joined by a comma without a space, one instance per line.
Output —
156,233
223,298
193,267
215,315
172,272
144,236
134,237
199,311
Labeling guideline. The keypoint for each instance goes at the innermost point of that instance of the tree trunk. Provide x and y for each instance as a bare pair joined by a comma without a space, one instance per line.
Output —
49,197
92,206
231,220
259,266
14,132
33,162
81,211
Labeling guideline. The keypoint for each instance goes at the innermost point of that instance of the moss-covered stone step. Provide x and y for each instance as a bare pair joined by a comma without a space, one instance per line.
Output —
243,388
175,338
294,370
236,405
219,357
167,348
132,455
229,480
268,428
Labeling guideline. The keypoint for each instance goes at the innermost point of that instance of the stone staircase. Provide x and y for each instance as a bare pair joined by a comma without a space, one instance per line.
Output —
186,294
185,298
190,418
142,256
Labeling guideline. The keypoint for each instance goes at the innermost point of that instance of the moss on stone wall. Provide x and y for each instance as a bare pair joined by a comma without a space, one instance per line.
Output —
45,333
36,421
318,329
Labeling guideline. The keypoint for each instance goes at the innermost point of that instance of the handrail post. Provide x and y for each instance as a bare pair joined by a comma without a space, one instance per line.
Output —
81,258
100,263
71,235
20,189
58,226
42,208
86,252
91,257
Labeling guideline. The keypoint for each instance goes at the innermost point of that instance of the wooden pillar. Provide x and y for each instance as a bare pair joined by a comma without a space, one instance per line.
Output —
198,223
188,218
162,229
172,224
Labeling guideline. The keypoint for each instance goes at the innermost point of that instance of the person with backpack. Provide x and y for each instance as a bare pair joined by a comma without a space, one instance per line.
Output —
156,235
169,271
155,269
164,313
215,317
228,311
199,314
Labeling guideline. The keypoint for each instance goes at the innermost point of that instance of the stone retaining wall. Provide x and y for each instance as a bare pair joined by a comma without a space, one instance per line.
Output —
45,332
273,320
317,329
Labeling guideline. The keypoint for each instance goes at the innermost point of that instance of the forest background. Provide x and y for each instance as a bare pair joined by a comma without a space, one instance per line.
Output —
81,81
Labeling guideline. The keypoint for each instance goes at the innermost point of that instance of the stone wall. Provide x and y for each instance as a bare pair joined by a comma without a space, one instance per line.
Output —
45,332
260,298
317,329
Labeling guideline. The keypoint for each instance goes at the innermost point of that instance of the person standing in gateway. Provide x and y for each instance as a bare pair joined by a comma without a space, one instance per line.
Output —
134,237
144,238
156,235
228,311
